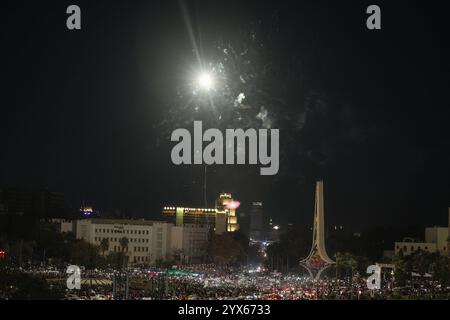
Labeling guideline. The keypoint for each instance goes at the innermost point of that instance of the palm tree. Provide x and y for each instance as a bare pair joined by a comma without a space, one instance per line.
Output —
448,246
104,245
340,263
123,244
178,256
352,264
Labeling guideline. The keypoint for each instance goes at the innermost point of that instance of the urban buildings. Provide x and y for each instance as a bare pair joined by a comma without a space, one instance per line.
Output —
409,246
48,203
33,204
147,241
438,236
436,240
16,201
222,218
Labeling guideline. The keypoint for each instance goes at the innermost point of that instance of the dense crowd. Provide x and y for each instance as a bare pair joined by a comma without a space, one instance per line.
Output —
207,282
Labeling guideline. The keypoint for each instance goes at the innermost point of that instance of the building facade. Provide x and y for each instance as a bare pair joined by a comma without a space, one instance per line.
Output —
33,204
438,236
190,242
147,241
222,218
409,247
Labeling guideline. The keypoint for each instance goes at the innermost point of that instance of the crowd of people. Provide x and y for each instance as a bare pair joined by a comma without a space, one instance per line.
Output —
208,282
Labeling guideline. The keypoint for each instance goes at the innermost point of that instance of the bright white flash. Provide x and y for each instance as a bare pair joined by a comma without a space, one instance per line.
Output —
205,81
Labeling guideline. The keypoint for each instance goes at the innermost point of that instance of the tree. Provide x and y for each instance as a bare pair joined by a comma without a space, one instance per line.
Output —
441,270
21,251
104,246
346,262
225,249
421,262
448,246
293,246
123,245
340,263
178,255
403,269
85,254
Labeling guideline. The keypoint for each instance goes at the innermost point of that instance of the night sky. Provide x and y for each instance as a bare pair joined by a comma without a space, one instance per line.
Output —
89,113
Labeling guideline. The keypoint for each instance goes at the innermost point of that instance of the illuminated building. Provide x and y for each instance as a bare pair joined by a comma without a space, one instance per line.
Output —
223,217
226,209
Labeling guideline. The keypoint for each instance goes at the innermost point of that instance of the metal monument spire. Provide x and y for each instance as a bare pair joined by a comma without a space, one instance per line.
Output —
318,259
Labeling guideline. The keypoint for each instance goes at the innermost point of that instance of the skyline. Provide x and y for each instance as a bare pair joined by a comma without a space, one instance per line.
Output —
88,112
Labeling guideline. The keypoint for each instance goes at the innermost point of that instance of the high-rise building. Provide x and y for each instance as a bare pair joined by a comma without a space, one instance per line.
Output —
16,201
226,213
48,204
256,221
36,204
222,218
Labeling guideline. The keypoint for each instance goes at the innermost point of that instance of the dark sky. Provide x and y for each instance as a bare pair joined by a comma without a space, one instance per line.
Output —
87,112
